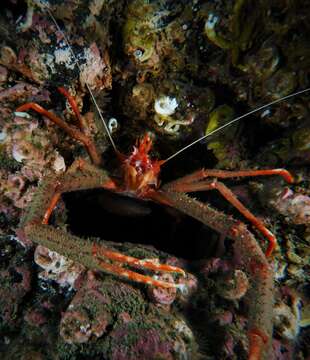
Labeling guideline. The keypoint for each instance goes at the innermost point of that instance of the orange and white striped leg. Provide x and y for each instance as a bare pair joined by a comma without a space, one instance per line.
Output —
101,252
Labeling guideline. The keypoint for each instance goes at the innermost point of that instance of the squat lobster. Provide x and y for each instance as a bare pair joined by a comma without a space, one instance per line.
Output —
140,179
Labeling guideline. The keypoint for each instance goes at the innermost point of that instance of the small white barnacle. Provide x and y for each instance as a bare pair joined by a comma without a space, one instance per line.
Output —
211,21
112,125
18,153
41,3
3,136
59,163
84,329
29,16
183,288
22,114
265,113
165,105
138,53
63,55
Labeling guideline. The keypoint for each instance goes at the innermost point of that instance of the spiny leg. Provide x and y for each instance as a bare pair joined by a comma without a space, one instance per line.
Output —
99,251
226,174
261,292
257,341
34,223
195,182
231,197
80,176
149,264
84,252
71,130
74,107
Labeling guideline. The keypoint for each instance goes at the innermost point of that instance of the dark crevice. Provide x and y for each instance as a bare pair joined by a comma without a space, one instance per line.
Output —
113,217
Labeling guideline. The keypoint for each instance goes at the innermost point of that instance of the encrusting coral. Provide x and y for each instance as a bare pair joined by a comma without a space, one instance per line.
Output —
178,70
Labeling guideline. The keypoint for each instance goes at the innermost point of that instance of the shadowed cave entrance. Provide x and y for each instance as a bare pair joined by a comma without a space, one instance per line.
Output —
114,217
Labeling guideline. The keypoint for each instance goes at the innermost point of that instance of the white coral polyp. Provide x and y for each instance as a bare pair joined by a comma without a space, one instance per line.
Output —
56,267
64,56
92,71
165,105
3,136
59,164
211,22
18,154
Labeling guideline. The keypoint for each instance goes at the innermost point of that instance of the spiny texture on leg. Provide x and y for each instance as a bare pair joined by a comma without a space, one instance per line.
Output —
82,251
34,226
100,252
260,294
134,276
203,174
129,260
40,201
232,198
73,131
197,182
79,180
74,107
68,245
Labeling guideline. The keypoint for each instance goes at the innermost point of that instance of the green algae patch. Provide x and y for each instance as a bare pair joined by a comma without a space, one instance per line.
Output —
115,320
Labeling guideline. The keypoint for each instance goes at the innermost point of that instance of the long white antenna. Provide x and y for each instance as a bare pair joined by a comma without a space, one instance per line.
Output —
235,120
79,67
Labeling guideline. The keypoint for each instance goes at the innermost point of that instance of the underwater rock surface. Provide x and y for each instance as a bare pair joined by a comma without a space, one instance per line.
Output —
177,70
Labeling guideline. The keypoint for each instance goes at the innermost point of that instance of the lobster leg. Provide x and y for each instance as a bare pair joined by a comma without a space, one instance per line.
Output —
226,174
34,226
196,182
75,108
231,197
79,134
255,263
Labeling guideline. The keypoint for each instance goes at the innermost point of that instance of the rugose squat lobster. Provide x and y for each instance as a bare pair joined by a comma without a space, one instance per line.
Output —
140,179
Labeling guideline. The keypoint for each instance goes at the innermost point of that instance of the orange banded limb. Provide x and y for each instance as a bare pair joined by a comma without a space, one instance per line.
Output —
51,207
147,264
257,342
72,131
74,107
80,176
52,204
131,275
231,197
226,174
260,295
